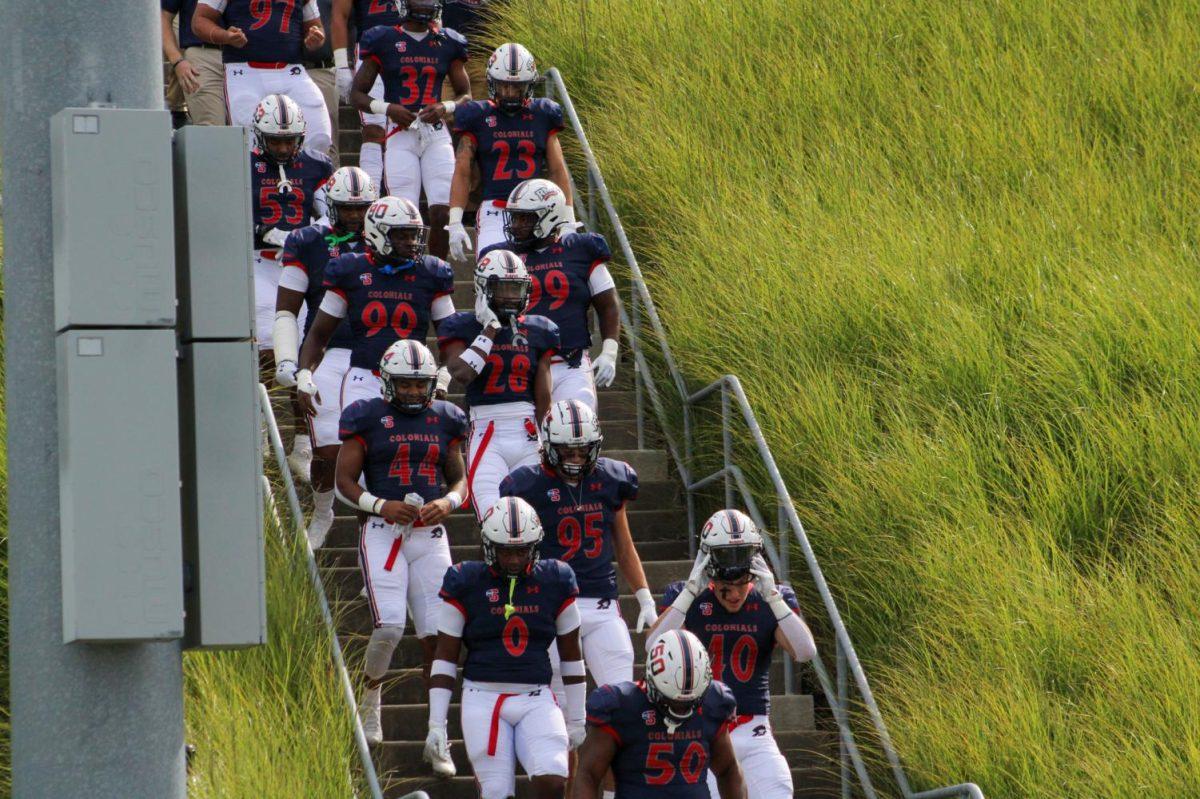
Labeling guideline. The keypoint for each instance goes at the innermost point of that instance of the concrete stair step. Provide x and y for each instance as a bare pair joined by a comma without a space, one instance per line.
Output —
347,556
348,579
612,405
792,713
648,525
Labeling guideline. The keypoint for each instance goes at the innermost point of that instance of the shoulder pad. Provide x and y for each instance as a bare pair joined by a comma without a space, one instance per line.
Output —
547,330
458,325
518,481
603,703
454,36
467,115
354,418
719,702
789,597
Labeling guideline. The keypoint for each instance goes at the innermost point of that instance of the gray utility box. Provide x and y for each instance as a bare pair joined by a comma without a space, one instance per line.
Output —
114,243
222,495
119,484
214,240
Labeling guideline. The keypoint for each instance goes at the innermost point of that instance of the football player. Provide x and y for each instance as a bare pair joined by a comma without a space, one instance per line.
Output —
366,14
569,276
406,446
580,498
306,253
507,610
392,291
503,358
414,58
513,137
732,603
262,45
663,735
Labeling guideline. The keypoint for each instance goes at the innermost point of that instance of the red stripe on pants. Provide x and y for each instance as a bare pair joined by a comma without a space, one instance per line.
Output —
494,730
391,558
483,445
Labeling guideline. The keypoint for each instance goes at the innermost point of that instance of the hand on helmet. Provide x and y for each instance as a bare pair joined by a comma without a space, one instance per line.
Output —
763,576
484,313
697,581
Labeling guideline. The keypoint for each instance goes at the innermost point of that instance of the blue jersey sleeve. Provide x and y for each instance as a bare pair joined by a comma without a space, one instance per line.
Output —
338,274
354,422
467,117
454,585
789,598
669,593
720,703
372,44
597,250
293,246
455,423
170,6
554,115
459,326
543,334
458,44
567,584
603,704
444,275
627,482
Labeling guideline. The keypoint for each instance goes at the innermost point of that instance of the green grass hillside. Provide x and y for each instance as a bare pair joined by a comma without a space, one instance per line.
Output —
951,250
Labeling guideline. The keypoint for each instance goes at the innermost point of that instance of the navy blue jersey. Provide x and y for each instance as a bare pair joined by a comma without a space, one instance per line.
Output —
185,9
412,70
509,372
274,31
291,209
510,650
311,249
385,308
739,644
405,452
463,15
560,290
578,520
366,14
509,148
651,763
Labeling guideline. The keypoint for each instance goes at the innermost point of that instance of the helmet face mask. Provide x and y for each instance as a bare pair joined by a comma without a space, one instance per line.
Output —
513,561
350,193
731,564
395,231
571,440
508,297
424,12
411,395
408,242
409,375
281,149
520,228
510,96
511,532
348,217
511,74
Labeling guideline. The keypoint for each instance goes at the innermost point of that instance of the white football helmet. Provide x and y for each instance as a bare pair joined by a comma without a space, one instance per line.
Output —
278,116
503,269
390,215
407,360
678,672
730,539
570,424
349,186
537,201
511,63
510,524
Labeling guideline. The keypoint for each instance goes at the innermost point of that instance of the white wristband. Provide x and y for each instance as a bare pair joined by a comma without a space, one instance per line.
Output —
340,59
483,344
369,503
455,217
449,105
444,668
454,499
571,668
379,107
474,360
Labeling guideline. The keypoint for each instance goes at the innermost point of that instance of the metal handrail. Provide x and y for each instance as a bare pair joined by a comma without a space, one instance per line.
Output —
314,572
730,389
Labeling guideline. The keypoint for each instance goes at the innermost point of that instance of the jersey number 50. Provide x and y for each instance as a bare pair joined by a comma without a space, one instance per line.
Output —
660,770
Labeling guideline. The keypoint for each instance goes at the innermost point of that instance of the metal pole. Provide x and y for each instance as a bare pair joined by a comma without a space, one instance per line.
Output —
843,697
103,719
726,446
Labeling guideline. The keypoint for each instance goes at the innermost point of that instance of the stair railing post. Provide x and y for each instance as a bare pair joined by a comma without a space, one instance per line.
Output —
843,690
726,445
635,327
687,457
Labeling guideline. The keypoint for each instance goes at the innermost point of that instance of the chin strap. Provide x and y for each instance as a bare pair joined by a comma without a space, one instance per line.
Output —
285,185
334,239
672,723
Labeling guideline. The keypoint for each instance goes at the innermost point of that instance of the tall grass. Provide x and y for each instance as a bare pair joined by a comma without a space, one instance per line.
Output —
271,721
951,250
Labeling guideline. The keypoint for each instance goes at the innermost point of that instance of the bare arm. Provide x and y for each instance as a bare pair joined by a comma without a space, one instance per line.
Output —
460,184
542,384
348,469
455,472
170,45
725,767
628,560
289,300
338,29
317,339
460,81
595,756
609,314
206,24
314,34
364,79
556,167
452,353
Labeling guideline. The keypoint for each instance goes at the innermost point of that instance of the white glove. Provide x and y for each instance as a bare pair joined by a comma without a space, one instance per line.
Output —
647,613
576,732
605,366
697,580
275,236
285,374
344,78
304,382
570,225
484,313
460,240
764,577
443,380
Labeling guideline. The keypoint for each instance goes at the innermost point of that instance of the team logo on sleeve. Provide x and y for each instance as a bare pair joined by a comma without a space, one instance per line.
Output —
554,494
491,122
261,167
401,46
649,716
492,594
705,608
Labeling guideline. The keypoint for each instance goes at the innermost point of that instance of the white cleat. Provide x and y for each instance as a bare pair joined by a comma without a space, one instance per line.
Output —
318,528
368,713
300,462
